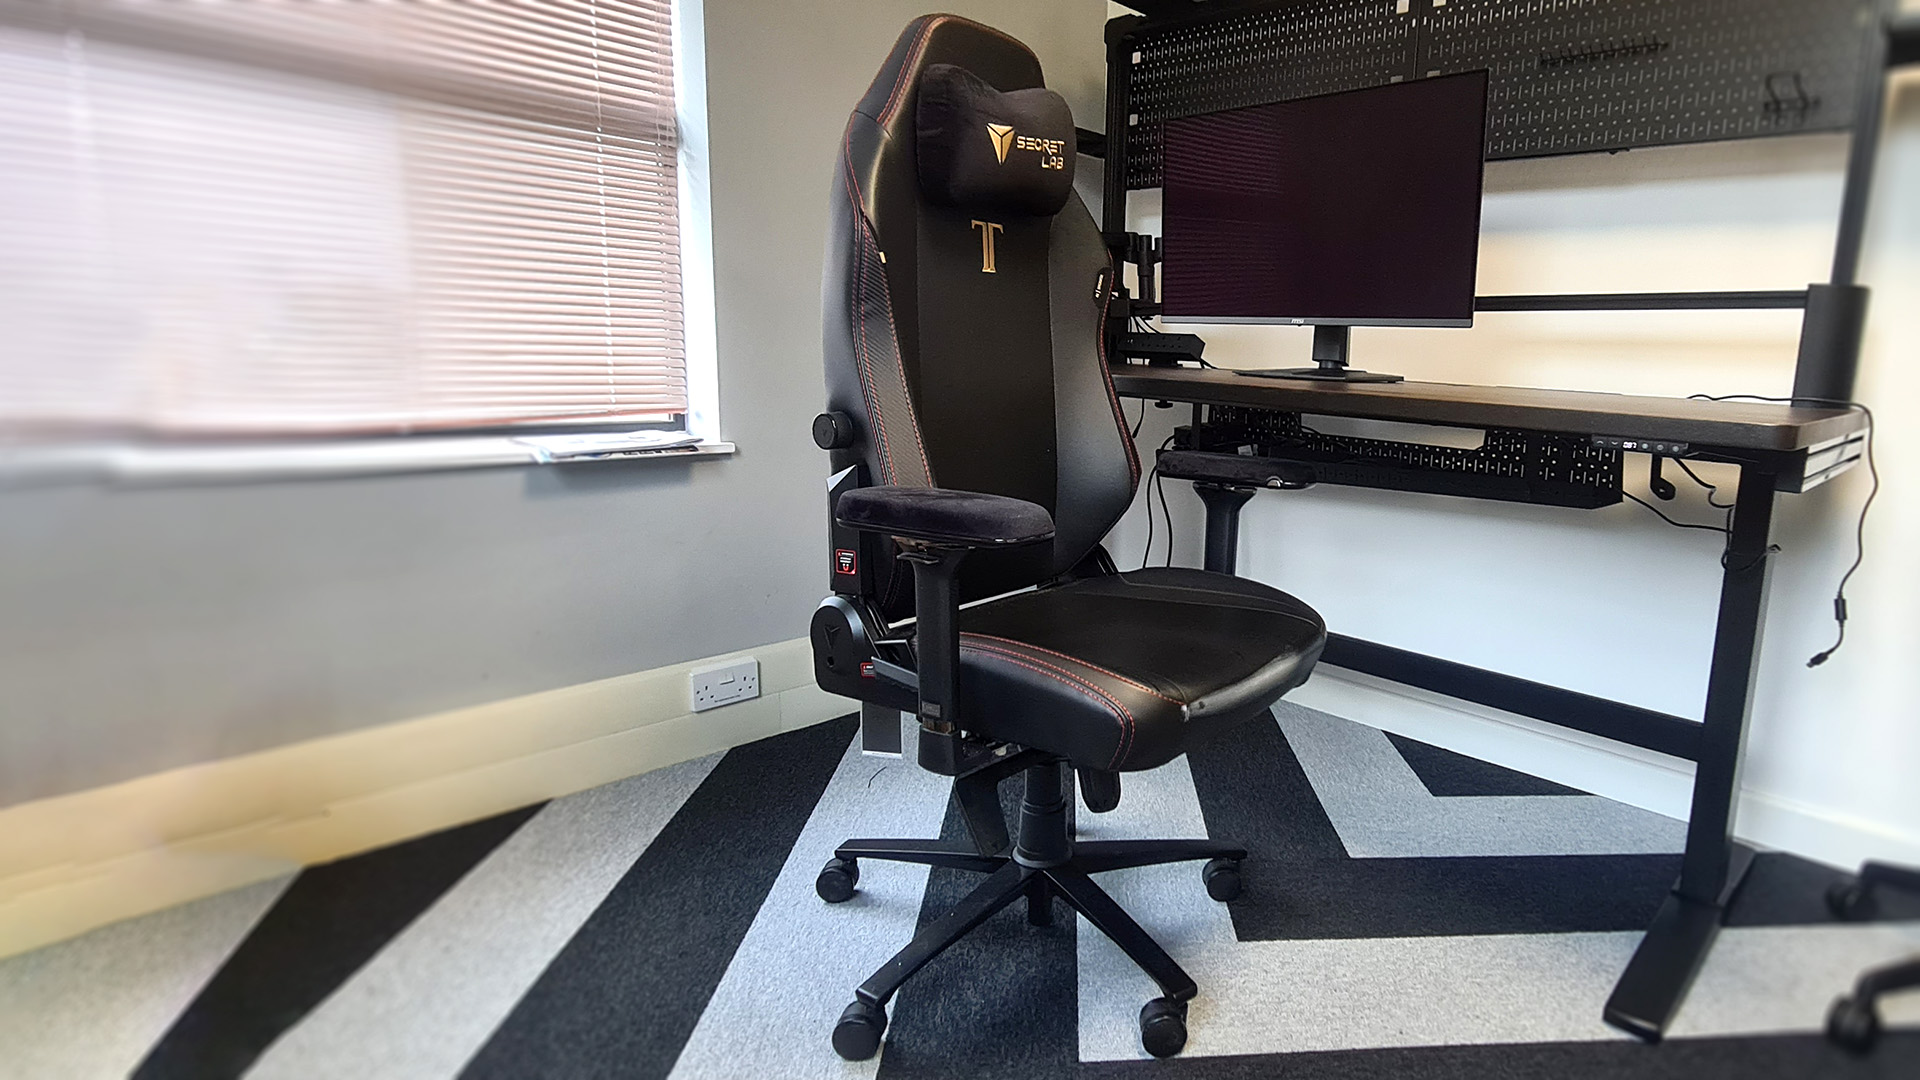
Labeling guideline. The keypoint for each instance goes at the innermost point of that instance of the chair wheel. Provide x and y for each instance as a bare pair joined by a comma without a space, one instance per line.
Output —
1223,879
837,879
1849,899
1853,1024
1163,1027
856,1036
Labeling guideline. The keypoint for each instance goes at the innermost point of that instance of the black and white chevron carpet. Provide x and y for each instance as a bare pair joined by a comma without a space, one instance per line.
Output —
1408,913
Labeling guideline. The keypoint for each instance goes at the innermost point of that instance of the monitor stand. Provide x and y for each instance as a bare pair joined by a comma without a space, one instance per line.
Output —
1330,354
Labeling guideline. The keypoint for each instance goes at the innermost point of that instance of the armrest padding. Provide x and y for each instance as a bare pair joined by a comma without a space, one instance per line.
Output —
943,516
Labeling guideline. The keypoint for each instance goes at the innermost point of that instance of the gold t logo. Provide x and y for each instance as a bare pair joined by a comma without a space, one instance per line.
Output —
987,229
1002,136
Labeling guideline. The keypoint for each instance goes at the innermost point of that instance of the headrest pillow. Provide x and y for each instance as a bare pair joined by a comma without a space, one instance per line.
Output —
988,151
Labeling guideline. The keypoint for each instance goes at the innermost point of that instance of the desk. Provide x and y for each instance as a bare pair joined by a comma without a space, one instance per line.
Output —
1776,447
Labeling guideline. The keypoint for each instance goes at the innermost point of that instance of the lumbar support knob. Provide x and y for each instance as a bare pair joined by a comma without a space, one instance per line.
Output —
833,431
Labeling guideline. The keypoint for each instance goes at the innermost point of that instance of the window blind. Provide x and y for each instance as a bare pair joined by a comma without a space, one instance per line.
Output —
298,217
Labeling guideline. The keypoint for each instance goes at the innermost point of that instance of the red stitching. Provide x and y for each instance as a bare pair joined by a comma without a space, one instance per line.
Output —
900,366
1125,729
900,80
1126,744
863,364
873,407
1074,659
1062,675
926,32
868,382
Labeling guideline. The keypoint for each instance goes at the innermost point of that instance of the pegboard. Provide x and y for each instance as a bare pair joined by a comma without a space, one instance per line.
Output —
1518,466
1568,76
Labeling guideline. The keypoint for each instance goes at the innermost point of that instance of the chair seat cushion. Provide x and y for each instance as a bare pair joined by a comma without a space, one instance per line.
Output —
1128,671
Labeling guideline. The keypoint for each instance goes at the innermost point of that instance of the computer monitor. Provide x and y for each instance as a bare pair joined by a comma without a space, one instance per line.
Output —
1360,208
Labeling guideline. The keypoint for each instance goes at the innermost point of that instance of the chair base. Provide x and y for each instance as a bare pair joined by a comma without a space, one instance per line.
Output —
1045,863
1853,1022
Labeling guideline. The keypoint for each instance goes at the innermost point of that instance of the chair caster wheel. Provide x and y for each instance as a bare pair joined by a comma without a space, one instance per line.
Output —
857,1036
1853,1025
1163,1027
1849,899
1223,879
837,879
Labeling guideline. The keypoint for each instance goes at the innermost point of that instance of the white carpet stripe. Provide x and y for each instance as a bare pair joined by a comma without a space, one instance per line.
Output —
1170,901
1266,997
429,1000
1382,811
773,1012
95,1005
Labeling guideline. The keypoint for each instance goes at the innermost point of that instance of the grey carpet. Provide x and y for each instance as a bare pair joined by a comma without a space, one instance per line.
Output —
1408,914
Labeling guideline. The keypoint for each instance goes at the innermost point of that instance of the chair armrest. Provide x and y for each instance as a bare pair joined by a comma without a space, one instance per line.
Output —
946,525
948,518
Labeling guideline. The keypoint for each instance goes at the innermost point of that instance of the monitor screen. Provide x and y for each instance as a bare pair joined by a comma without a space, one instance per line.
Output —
1359,208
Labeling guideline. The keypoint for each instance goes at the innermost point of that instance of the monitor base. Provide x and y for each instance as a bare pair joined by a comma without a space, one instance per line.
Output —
1324,374
1330,347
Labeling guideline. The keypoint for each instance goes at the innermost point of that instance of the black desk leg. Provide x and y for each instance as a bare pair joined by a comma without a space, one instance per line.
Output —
1656,980
1223,524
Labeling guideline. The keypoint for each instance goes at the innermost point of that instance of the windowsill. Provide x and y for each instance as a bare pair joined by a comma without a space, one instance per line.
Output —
136,464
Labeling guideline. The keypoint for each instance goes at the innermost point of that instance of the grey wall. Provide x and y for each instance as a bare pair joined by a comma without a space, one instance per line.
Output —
146,629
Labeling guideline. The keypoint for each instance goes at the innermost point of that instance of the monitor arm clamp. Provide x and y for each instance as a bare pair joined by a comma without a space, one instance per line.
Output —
1165,350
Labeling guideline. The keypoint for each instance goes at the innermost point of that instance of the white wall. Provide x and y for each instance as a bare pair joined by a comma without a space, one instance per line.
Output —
142,630
1613,602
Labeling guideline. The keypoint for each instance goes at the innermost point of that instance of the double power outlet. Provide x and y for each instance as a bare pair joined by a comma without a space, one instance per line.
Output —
723,684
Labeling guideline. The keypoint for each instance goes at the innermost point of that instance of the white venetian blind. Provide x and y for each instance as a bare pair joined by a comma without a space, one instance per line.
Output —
311,217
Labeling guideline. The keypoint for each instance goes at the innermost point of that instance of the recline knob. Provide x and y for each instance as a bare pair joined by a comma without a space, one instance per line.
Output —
833,431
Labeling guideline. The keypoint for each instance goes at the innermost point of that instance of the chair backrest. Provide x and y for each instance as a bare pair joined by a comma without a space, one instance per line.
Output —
965,343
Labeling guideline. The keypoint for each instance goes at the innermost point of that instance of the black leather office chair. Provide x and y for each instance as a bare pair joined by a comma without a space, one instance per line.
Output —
979,450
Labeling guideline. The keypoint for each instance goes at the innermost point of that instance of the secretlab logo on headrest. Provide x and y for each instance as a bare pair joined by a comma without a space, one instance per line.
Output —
1004,139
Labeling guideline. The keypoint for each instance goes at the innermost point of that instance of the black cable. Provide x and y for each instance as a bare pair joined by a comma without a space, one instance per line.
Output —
1160,485
1860,526
1147,552
1711,489
1676,524
1135,432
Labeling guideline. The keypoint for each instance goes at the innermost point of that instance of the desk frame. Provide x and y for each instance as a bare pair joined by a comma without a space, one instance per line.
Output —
1713,866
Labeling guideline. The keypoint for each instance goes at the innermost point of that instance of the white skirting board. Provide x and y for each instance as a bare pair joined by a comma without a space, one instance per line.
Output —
1624,773
74,862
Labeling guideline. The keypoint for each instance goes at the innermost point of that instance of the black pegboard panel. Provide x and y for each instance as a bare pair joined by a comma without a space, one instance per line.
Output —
1569,76
1298,50
1519,466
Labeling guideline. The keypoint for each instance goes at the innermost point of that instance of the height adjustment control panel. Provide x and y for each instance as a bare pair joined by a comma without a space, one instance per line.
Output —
1641,446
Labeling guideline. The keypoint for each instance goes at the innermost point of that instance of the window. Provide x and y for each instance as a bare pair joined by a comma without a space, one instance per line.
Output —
270,217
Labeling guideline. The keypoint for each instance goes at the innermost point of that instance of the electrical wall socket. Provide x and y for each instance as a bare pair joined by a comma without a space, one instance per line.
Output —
723,684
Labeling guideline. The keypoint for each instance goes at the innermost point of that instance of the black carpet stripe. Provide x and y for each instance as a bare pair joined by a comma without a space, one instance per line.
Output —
1786,1057
1003,1001
1786,890
625,993
329,922
1448,774
1301,883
